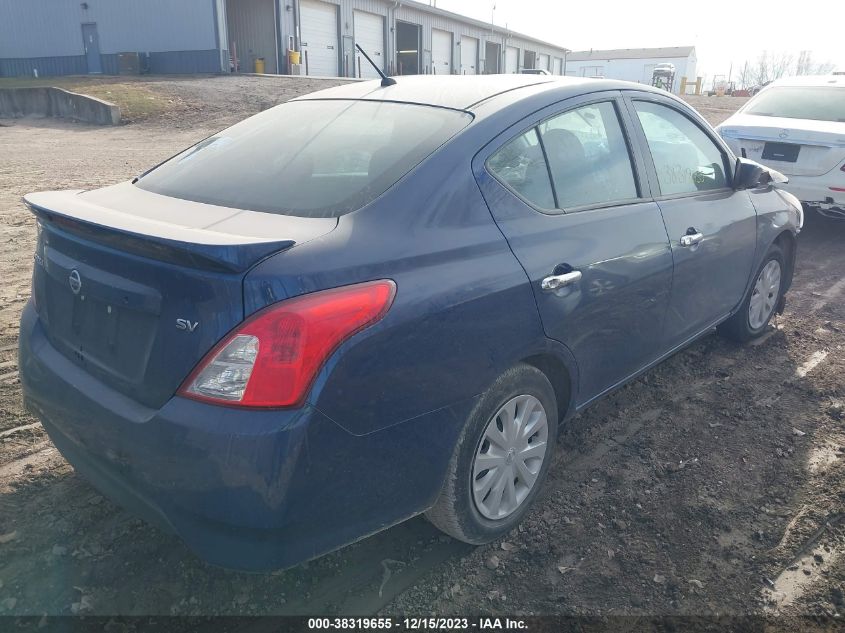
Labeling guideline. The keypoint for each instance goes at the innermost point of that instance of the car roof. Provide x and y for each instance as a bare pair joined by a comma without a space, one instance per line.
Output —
811,80
461,92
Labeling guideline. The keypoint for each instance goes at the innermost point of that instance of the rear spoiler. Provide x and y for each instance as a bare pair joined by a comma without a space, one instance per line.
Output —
192,246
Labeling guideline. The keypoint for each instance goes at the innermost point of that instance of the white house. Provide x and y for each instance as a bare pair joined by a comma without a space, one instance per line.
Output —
632,64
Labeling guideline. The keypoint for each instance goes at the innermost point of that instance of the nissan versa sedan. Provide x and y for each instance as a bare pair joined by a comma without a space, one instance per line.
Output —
374,302
797,125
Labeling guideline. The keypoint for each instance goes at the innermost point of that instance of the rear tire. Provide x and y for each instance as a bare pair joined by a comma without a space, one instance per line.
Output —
762,300
492,455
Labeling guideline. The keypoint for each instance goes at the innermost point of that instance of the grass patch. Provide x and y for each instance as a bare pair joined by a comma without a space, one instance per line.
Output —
137,100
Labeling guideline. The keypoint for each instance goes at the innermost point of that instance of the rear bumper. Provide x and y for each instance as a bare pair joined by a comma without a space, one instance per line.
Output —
816,190
249,490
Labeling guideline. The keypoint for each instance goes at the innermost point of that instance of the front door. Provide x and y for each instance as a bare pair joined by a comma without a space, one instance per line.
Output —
91,42
564,188
712,228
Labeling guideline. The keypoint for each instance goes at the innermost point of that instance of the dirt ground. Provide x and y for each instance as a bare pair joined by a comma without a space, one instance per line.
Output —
713,485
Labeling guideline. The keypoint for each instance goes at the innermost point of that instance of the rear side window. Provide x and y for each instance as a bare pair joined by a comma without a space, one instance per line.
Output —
805,102
686,159
521,165
308,158
588,156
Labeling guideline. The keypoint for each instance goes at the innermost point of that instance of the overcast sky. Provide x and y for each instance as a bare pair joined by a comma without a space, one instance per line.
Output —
722,31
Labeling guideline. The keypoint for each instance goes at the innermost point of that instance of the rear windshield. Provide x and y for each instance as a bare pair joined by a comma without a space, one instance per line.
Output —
793,102
307,158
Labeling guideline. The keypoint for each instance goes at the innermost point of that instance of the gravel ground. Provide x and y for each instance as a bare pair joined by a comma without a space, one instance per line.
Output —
711,485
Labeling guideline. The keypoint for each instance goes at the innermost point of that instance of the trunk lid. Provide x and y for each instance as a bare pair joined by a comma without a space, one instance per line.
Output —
795,147
136,287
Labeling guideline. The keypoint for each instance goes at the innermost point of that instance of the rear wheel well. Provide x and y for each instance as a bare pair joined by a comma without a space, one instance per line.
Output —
558,376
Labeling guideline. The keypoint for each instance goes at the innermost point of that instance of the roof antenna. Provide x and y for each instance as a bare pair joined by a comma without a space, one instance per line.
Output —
385,80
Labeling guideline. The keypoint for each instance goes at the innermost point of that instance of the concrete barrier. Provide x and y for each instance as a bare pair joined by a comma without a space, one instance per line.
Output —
55,102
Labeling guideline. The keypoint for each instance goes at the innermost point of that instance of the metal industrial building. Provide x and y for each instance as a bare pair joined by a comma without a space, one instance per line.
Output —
60,37
632,64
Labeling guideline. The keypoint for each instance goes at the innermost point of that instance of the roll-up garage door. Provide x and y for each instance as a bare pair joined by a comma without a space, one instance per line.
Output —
441,52
369,34
511,59
469,55
544,62
319,37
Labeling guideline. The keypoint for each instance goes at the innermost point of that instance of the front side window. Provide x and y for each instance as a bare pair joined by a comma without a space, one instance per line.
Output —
793,102
521,166
588,156
685,158
307,158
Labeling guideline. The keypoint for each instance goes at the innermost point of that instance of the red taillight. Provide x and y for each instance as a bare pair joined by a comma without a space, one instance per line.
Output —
271,360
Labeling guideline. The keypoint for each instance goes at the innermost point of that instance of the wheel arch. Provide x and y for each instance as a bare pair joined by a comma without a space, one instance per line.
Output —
787,242
560,377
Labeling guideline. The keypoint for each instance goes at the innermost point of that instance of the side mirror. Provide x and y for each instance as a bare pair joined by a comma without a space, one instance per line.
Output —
751,175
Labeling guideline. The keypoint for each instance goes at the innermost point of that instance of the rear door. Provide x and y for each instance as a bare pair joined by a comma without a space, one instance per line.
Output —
584,229
712,228
369,35
319,37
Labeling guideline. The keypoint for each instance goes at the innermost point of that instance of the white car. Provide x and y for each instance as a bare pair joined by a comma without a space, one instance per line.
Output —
797,126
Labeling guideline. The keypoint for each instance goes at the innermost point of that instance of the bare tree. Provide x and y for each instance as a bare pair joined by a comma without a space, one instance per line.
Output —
780,65
744,77
772,65
761,70
804,65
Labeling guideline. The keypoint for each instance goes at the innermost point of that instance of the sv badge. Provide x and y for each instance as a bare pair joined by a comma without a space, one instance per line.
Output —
187,325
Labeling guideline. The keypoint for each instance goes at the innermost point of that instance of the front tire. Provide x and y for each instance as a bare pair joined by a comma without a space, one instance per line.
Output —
501,459
761,301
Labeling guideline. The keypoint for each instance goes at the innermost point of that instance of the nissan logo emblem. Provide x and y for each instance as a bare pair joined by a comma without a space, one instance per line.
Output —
75,281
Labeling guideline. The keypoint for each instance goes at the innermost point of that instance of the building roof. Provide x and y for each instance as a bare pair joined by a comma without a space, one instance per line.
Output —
460,92
630,53
498,30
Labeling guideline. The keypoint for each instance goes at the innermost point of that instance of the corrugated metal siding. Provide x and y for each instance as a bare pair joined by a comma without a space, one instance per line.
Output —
51,28
428,21
458,28
185,32
46,66
184,62
251,27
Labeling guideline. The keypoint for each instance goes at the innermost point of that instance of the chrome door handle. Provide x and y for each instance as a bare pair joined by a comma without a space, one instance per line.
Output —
553,282
691,240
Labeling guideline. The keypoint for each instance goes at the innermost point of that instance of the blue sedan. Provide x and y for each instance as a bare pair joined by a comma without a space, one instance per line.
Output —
377,301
